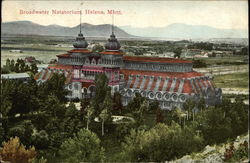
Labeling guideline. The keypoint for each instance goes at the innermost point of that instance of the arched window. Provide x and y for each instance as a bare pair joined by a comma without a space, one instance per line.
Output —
93,61
87,61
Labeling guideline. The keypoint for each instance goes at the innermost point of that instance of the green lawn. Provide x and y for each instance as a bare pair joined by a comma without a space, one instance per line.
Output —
235,80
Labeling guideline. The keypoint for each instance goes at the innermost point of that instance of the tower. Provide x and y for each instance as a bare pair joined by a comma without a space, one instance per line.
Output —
80,42
112,57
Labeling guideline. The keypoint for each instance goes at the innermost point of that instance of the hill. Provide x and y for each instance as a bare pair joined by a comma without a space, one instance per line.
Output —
89,30
180,30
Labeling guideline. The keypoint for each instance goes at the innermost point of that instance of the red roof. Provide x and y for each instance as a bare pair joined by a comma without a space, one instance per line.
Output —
154,59
187,88
79,51
63,55
37,75
127,72
157,85
87,84
112,53
44,74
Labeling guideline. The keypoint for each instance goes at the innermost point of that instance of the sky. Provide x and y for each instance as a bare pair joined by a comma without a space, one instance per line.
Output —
218,14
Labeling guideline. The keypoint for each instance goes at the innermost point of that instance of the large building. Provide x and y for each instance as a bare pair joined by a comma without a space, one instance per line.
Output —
167,80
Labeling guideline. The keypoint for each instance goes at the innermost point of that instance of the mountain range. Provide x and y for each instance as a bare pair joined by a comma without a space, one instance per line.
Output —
176,30
88,30
185,31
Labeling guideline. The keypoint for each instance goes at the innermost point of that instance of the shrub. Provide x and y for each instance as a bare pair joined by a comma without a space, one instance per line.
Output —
160,143
84,146
15,152
235,155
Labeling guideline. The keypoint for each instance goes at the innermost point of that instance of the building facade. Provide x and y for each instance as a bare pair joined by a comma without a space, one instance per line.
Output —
168,80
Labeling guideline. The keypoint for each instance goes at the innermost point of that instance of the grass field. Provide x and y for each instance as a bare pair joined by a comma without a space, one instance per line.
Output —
224,60
235,80
44,56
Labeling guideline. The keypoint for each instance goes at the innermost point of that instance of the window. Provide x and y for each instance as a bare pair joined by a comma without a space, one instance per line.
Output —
76,86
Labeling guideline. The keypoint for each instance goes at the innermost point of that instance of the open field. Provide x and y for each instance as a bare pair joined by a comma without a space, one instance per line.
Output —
235,81
224,60
225,69
44,56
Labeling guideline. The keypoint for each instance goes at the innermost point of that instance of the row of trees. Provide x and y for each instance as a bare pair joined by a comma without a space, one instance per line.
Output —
18,66
201,45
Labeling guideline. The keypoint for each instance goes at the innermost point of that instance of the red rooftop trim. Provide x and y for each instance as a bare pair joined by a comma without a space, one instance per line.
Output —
139,83
161,84
79,51
112,53
187,88
87,84
45,74
154,59
63,55
37,75
169,85
177,86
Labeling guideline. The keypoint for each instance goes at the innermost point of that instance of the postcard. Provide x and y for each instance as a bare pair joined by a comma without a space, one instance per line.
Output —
124,81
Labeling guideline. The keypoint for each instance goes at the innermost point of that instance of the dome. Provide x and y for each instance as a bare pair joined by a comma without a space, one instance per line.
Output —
112,44
80,42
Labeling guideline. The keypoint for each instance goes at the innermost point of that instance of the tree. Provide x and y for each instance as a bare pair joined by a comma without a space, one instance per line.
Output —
177,52
160,143
201,104
33,68
7,62
101,83
84,103
135,104
189,107
82,147
214,126
104,116
117,102
89,115
26,68
40,139
97,48
180,114
153,106
22,65
56,86
106,110
23,131
16,67
159,116
5,70
16,152
12,65
73,120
